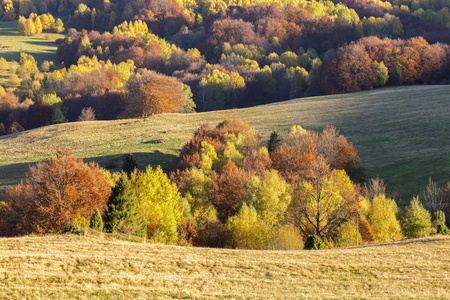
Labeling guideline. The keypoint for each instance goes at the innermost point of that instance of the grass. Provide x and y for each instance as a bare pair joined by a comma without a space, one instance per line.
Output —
96,266
12,42
401,134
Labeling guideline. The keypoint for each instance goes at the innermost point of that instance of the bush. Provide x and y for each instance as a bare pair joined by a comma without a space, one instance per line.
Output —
77,226
96,220
438,222
314,242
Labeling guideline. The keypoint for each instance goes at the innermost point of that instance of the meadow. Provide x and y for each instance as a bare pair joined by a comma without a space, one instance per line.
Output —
40,47
99,266
401,134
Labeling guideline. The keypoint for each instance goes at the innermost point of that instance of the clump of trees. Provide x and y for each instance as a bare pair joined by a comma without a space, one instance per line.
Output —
226,190
35,24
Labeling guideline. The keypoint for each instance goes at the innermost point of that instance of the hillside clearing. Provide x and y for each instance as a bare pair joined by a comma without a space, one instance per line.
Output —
68,266
401,134
38,46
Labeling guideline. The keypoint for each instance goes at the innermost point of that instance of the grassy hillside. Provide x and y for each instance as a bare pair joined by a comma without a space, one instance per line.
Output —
11,42
401,134
95,266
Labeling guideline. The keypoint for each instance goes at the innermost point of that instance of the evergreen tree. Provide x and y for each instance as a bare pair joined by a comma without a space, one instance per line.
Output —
96,220
274,141
129,164
123,211
397,74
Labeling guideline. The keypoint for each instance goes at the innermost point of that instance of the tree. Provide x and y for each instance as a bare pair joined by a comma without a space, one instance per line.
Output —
56,192
129,164
274,141
382,217
151,93
417,220
432,198
396,77
159,203
319,205
123,213
96,220
87,114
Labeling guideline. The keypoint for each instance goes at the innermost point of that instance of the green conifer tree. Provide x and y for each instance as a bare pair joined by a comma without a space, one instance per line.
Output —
274,141
96,220
123,211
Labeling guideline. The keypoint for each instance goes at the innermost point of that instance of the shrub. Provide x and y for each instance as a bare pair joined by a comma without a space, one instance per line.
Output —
77,225
438,222
96,220
314,242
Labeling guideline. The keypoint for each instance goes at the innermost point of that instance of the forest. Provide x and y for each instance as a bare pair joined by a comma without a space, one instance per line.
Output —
123,59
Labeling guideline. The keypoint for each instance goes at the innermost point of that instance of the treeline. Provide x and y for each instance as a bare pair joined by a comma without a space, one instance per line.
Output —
227,190
111,91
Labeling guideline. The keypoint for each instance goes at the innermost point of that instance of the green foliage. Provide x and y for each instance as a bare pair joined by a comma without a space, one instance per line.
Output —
274,141
380,74
417,220
382,217
438,222
129,164
159,203
123,213
396,78
77,225
270,197
247,230
96,221
314,242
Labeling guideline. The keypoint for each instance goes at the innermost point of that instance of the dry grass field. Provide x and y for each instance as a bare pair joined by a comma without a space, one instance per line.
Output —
401,134
97,266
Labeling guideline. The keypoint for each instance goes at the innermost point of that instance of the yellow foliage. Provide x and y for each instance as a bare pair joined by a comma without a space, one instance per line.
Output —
382,218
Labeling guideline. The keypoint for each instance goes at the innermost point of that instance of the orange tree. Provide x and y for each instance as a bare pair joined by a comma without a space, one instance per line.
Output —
55,193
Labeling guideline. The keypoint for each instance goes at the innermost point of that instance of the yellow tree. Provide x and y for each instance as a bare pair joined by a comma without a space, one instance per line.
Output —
382,217
319,205
159,202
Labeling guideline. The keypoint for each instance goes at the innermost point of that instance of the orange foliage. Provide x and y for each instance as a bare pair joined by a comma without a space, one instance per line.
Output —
228,187
56,192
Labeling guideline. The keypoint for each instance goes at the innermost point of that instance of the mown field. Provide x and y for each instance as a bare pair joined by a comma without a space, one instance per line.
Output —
96,266
401,134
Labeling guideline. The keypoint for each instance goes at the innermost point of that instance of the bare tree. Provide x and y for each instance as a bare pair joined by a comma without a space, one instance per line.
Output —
87,114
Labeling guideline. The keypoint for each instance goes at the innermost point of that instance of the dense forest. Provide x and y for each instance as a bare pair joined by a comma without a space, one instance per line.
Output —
135,58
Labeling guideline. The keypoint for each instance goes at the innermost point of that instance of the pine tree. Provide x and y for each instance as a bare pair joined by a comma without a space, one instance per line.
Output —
129,164
274,141
96,220
123,211
397,74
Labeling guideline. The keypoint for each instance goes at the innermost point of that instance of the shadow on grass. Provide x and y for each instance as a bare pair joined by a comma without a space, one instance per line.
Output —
48,43
11,175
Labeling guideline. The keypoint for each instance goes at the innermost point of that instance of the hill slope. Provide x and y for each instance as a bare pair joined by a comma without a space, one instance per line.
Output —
400,133
68,266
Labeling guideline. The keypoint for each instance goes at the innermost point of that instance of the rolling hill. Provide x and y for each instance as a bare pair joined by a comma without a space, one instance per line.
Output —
401,134
98,266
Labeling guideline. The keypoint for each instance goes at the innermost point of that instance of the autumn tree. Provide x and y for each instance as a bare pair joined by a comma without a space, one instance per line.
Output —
56,192
151,93
320,205
160,204
382,217
417,220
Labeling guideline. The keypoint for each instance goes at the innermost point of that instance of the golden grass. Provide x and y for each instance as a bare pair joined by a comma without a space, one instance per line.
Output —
96,266
401,134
